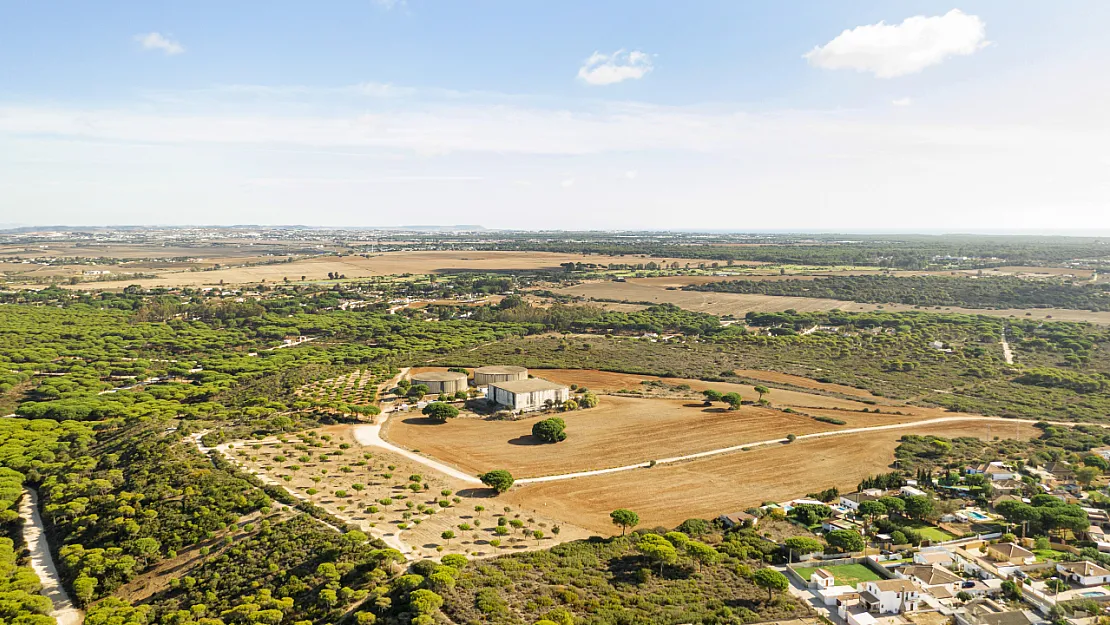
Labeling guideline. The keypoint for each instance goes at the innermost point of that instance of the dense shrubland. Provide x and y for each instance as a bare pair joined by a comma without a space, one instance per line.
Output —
993,292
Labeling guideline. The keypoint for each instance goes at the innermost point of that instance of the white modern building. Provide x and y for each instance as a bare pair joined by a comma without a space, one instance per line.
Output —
526,395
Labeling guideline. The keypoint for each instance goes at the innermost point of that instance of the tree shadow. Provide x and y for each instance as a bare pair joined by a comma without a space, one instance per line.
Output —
421,421
479,493
716,410
526,440
694,405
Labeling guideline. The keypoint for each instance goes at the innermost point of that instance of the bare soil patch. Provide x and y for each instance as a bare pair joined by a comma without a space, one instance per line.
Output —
381,506
668,494
620,431
797,380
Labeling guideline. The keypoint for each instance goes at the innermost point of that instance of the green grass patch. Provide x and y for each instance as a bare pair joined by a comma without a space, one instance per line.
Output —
935,534
844,574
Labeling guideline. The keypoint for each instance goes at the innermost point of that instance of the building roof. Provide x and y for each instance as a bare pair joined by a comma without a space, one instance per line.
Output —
1016,617
859,497
934,557
528,386
438,376
822,573
1083,569
894,585
1010,550
499,369
931,575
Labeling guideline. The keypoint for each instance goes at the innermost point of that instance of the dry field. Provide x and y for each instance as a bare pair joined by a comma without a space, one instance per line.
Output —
620,431
609,381
390,263
738,304
668,494
797,380
381,507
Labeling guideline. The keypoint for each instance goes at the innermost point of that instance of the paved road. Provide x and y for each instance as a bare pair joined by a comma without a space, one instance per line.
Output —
43,563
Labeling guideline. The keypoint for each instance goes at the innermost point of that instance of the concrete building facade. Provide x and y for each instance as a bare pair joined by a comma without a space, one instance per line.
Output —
527,395
440,382
484,376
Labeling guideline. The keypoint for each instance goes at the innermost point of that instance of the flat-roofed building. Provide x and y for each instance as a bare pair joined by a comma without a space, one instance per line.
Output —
526,395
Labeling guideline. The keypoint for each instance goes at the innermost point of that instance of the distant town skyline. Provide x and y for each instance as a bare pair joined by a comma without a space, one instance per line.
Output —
807,116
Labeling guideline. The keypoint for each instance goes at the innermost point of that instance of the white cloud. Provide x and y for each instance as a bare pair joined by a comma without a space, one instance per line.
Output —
608,69
568,183
891,50
907,101
158,41
631,174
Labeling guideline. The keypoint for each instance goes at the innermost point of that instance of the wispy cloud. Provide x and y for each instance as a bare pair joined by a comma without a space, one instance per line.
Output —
390,4
608,69
891,50
902,101
158,41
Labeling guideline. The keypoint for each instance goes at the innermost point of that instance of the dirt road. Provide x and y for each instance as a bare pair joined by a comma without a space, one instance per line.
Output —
65,612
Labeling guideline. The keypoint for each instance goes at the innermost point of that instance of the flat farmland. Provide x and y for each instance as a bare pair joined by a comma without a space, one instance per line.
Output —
610,381
390,263
739,304
700,301
665,495
797,380
622,430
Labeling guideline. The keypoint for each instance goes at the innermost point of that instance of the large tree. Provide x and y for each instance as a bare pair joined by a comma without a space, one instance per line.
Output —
551,430
440,411
499,480
770,579
624,518
847,541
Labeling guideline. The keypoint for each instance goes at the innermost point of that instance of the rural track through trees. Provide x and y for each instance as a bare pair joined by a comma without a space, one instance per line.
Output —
1006,352
64,611
370,435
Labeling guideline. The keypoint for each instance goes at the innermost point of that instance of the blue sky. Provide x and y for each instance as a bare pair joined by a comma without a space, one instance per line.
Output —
648,114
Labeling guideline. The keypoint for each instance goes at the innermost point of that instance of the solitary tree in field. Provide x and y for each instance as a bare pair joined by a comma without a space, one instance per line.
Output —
770,579
624,518
550,430
762,390
499,480
439,411
711,396
733,400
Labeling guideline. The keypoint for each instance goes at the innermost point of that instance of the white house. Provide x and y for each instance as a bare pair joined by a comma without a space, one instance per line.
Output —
889,596
1084,573
933,555
820,578
526,395
931,577
852,501
911,491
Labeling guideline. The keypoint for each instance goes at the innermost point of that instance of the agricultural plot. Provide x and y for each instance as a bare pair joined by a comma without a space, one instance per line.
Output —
738,304
621,430
407,504
666,495
357,387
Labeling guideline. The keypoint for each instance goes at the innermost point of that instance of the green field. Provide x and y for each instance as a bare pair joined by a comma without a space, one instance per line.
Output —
844,574
929,532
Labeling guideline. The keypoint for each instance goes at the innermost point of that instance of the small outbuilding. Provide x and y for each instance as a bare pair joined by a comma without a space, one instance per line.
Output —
526,395
484,376
441,382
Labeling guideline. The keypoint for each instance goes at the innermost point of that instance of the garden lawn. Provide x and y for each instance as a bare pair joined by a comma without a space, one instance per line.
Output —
847,574
929,532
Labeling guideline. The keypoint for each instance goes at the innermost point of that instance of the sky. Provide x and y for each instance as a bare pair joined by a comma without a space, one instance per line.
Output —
625,114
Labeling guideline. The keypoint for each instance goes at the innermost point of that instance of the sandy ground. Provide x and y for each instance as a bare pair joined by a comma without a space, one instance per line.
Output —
737,304
65,612
421,540
668,494
621,430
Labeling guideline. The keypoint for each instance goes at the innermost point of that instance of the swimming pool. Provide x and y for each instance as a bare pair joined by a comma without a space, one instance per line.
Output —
977,516
1092,593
